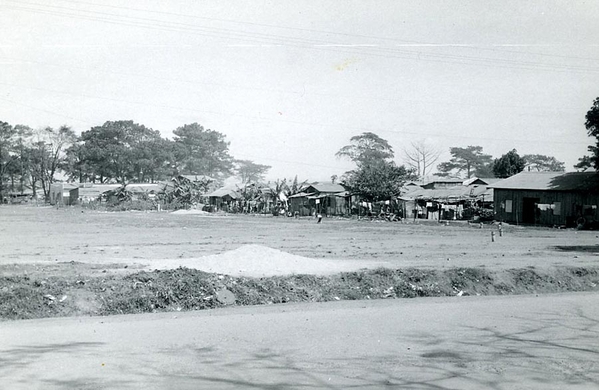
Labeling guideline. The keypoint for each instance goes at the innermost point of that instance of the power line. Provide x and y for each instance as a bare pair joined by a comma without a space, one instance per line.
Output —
42,110
327,32
303,43
238,86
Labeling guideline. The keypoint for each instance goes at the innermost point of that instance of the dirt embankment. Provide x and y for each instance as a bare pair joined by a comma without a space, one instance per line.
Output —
107,293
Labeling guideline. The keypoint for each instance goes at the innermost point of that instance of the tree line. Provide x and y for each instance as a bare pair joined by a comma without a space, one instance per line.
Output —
117,151
378,177
125,151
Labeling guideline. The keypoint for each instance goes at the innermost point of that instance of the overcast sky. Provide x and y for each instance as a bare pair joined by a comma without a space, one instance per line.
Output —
289,82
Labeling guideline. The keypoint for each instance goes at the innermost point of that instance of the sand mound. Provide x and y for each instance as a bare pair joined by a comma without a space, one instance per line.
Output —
258,261
190,212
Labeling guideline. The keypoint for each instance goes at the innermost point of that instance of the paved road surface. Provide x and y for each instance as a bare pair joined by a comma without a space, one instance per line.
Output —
517,342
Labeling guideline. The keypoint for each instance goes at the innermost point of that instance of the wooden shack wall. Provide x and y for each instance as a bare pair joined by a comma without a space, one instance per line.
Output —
328,205
337,205
56,193
301,205
571,206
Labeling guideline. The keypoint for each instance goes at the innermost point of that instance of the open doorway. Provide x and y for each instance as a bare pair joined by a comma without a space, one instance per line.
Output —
529,206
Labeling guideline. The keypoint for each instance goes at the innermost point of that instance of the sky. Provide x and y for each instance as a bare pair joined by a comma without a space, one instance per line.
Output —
290,82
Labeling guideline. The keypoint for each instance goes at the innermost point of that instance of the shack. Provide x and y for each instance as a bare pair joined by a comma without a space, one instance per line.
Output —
442,182
89,192
63,194
222,199
328,198
548,198
299,204
448,198
145,190
441,203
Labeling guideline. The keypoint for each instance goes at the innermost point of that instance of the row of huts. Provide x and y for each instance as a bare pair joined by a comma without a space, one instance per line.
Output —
531,198
540,198
327,198
439,199
74,193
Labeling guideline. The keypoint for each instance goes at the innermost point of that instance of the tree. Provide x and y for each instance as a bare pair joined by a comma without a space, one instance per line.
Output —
539,162
75,164
201,152
374,182
420,157
12,170
367,148
295,187
508,165
184,192
45,155
279,194
24,136
471,159
104,150
280,187
592,126
52,144
122,151
38,156
151,158
7,133
248,171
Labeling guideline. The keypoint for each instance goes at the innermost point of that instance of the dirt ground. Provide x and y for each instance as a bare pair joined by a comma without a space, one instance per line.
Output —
524,342
48,239
74,264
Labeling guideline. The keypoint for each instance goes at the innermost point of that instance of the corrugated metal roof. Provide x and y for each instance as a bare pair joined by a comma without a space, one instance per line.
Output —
145,187
480,180
96,190
451,193
300,195
326,187
442,193
444,180
224,192
551,181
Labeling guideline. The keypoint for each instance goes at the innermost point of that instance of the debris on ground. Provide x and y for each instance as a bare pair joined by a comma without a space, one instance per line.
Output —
185,289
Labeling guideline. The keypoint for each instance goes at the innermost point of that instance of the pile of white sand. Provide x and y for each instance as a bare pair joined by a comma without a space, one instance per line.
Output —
258,261
190,212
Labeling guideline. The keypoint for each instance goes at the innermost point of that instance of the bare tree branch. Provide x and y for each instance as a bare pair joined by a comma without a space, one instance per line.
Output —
421,156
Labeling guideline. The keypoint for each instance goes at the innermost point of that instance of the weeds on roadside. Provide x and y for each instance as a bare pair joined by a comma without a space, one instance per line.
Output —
188,289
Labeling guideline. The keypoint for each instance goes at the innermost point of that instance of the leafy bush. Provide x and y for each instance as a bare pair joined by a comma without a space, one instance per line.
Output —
118,195
184,193
137,205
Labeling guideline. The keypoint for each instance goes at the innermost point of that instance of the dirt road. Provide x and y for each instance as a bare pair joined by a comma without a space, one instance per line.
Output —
509,342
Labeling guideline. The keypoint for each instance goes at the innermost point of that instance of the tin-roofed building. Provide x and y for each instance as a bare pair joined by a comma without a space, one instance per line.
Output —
326,198
548,198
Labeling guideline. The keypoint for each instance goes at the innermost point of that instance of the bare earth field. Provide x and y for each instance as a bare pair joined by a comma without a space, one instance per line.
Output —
69,262
269,245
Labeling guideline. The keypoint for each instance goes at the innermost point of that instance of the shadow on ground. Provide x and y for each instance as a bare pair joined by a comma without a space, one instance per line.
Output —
578,248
